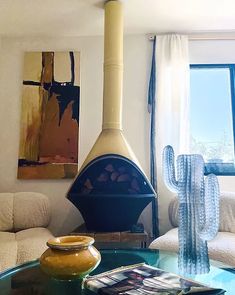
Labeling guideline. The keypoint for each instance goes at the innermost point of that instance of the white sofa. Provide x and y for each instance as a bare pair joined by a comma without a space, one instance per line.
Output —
222,247
24,218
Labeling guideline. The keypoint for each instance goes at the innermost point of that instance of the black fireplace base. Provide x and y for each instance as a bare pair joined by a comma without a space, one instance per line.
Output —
107,213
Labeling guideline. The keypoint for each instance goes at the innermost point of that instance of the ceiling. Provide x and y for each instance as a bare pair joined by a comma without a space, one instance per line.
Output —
85,17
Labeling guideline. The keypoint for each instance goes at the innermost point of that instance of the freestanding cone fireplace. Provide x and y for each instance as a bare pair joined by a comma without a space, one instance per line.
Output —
111,189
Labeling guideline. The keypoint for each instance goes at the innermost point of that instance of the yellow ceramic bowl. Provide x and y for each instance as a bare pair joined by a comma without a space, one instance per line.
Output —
70,257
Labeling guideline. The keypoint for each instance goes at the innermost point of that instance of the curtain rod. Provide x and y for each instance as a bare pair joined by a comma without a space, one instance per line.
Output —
202,36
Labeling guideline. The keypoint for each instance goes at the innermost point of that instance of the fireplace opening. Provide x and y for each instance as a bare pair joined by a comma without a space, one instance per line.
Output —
111,193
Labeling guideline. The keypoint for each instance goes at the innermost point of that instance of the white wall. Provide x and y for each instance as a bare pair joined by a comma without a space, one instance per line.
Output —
212,51
137,55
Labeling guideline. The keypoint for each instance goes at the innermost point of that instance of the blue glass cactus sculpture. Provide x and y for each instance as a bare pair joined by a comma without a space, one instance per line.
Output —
198,208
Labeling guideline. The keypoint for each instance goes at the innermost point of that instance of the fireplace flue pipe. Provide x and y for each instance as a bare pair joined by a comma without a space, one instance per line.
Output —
113,66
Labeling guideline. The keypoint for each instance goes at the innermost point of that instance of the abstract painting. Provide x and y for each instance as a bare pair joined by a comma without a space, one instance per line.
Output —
49,127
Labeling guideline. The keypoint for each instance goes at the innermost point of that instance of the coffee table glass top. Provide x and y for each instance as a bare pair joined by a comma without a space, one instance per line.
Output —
28,278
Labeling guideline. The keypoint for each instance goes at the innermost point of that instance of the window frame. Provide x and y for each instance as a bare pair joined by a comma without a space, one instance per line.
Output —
223,169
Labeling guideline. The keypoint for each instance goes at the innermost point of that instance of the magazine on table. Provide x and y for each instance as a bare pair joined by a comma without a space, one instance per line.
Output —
143,279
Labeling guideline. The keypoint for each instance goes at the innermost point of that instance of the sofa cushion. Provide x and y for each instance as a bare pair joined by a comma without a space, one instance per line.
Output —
167,242
31,243
8,254
6,212
173,212
227,212
221,248
6,236
23,246
33,233
30,210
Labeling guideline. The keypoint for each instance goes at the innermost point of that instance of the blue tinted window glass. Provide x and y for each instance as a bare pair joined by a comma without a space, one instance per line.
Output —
211,114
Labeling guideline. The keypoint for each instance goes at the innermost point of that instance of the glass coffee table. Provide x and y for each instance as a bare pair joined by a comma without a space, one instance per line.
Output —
28,279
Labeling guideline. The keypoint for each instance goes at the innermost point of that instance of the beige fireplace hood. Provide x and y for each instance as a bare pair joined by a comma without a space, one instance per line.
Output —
111,139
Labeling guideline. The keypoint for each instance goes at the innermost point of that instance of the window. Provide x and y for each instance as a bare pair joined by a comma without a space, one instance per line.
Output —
211,116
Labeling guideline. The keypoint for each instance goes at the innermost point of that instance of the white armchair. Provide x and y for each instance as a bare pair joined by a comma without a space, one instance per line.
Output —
24,218
222,247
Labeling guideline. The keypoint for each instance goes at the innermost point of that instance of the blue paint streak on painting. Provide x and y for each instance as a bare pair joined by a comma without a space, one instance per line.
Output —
31,83
65,94
25,163
72,67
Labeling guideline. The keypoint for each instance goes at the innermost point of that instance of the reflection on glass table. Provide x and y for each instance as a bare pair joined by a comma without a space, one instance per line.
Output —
29,279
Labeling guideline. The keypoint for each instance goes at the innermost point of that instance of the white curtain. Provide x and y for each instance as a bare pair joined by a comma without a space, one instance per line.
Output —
172,108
